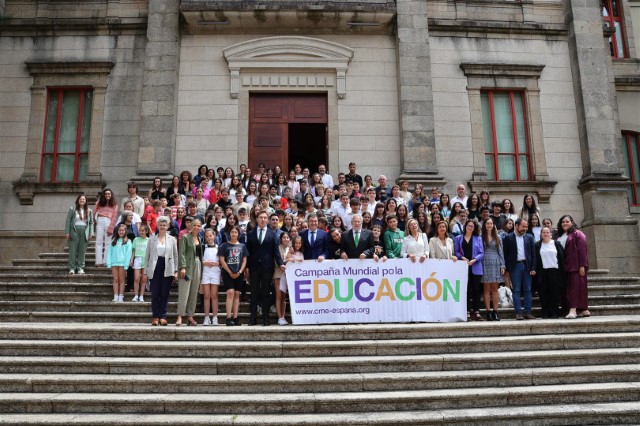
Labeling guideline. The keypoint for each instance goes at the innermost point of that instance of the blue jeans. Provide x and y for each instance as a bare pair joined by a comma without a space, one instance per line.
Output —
521,282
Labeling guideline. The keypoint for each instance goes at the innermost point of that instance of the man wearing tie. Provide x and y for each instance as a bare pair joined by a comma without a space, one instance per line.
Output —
263,253
315,240
357,243
520,259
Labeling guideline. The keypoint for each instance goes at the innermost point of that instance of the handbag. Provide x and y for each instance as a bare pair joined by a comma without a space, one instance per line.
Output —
505,297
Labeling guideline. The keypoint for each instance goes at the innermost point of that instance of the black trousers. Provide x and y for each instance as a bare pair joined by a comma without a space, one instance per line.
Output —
261,286
473,291
549,283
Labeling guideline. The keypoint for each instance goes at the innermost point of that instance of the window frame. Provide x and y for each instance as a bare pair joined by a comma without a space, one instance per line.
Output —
77,153
517,154
610,21
627,135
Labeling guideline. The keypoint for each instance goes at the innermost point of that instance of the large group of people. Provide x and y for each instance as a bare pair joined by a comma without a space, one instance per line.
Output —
225,229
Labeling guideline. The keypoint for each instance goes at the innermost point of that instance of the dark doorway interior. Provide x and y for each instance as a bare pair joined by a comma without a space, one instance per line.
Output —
307,145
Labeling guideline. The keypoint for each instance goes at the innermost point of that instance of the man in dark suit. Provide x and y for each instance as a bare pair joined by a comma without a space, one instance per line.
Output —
315,240
357,243
520,259
263,254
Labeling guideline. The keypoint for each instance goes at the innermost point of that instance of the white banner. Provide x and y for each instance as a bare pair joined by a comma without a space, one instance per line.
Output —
366,291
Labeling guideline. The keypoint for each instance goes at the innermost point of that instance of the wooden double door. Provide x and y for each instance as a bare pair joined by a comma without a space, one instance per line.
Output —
287,129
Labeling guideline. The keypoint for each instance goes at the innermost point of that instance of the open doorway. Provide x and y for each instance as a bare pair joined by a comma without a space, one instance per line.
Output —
307,145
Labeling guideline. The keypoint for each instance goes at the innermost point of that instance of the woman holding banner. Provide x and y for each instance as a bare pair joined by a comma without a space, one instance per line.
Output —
415,245
469,248
441,246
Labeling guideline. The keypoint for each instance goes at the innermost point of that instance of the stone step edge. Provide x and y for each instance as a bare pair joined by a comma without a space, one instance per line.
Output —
276,341
318,402
592,413
381,331
446,358
355,381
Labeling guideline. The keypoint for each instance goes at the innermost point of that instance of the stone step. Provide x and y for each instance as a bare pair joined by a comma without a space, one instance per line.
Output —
601,413
43,267
103,303
136,366
274,348
60,275
93,306
613,289
110,316
587,413
305,333
310,383
333,402
70,296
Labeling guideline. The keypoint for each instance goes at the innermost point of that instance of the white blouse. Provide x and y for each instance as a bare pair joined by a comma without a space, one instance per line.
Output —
549,255
418,248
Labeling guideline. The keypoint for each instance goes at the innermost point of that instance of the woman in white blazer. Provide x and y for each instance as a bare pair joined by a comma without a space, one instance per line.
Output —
161,266
415,245
441,246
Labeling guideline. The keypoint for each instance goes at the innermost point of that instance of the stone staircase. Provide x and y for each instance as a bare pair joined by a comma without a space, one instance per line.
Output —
69,356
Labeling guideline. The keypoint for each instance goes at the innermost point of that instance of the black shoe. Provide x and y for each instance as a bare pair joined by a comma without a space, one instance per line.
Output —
489,316
495,316
236,321
229,322
265,321
253,321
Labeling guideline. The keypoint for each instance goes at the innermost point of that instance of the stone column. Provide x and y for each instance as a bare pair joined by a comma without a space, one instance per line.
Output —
2,7
159,92
415,98
614,241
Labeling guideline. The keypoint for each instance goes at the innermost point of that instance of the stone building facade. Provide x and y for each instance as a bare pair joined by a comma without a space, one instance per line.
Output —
409,88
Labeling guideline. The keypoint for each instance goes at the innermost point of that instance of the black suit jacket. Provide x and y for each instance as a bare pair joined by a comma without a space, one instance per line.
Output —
262,256
320,245
365,244
510,249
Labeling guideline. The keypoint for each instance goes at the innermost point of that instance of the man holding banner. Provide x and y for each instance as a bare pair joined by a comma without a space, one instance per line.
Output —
357,243
315,240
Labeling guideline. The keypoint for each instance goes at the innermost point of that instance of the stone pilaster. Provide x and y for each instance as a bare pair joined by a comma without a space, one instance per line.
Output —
2,7
160,90
614,243
415,98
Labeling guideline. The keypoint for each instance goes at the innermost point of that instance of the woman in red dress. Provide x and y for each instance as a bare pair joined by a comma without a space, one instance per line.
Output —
576,265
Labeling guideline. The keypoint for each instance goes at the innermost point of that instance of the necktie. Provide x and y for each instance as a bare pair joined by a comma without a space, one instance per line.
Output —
357,238
313,237
260,236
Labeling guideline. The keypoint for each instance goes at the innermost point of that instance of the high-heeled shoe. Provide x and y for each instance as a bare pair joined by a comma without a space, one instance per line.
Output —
191,322
495,316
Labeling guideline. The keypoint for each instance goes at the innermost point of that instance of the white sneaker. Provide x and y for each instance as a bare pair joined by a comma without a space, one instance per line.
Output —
81,271
140,299
273,310
135,299
71,272
214,321
115,298
282,321
121,298
206,321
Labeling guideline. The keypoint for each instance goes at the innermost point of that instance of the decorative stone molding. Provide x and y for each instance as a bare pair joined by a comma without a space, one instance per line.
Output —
512,76
542,189
61,74
290,53
26,190
501,70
